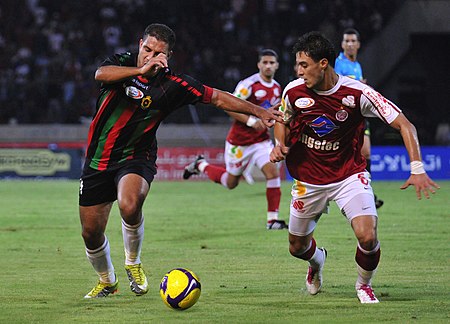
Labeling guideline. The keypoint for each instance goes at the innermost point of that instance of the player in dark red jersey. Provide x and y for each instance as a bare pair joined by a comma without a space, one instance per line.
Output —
248,141
138,91
321,141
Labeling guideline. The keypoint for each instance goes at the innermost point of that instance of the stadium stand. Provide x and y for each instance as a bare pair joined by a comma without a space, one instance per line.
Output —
49,49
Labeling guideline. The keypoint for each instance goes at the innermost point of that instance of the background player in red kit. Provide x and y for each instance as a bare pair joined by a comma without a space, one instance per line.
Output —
248,141
321,141
138,91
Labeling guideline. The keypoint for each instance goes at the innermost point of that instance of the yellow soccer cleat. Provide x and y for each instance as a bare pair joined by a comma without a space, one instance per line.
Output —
138,279
103,289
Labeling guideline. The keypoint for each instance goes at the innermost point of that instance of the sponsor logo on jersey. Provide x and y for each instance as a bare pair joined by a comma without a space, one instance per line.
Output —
140,83
349,101
304,102
378,101
323,145
266,104
276,92
322,125
243,92
341,115
282,107
134,92
260,93
237,152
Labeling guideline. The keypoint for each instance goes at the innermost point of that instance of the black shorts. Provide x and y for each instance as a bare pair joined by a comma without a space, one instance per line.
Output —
97,187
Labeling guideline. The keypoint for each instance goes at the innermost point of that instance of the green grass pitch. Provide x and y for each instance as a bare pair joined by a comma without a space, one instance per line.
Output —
246,272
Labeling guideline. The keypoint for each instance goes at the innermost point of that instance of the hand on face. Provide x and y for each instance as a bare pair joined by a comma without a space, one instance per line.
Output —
152,66
153,55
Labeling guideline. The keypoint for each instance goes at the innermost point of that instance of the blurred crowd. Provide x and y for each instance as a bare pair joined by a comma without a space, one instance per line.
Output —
49,50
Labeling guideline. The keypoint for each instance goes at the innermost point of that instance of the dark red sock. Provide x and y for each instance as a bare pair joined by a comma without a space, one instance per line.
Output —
273,199
310,252
368,262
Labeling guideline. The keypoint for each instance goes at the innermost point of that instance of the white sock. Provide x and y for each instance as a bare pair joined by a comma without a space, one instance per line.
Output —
133,236
101,261
364,277
202,166
224,179
317,259
272,216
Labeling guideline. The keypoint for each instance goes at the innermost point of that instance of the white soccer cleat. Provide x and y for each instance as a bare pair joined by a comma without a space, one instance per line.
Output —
192,168
314,276
366,295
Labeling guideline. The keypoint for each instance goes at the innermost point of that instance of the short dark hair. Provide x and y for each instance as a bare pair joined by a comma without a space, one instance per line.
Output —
267,52
351,31
316,46
162,33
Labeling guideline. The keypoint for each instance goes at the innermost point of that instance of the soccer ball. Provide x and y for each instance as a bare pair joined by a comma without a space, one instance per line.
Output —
180,288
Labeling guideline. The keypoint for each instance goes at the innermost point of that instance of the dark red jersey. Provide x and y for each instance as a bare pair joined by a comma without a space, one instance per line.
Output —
130,111
327,128
261,93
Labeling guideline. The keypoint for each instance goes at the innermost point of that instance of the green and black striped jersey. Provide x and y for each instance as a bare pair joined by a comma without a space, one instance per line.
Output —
130,111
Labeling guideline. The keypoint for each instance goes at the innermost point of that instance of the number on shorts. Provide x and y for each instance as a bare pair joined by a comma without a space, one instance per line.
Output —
363,179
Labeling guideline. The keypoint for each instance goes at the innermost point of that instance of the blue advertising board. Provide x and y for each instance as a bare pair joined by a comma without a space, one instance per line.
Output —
392,162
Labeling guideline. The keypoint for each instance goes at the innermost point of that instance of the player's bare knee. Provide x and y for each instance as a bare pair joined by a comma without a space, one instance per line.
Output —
232,182
368,242
130,210
297,248
231,186
130,213
93,237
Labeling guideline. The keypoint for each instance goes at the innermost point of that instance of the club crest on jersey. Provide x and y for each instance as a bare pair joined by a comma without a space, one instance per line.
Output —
378,101
322,126
349,101
304,102
146,102
341,115
134,92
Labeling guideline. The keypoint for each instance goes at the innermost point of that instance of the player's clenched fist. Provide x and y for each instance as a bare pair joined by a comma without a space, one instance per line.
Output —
278,153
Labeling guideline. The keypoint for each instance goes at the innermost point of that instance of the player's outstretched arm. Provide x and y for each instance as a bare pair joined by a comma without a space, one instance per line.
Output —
227,101
250,121
419,179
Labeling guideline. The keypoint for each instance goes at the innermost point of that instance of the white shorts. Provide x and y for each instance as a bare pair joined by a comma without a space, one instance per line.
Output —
354,197
237,158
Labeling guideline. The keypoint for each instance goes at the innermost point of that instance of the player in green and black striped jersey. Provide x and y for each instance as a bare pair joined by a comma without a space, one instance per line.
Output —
138,91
